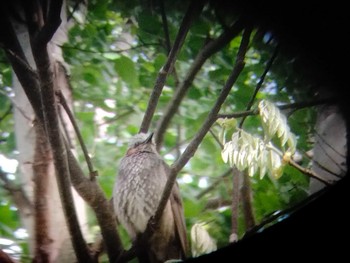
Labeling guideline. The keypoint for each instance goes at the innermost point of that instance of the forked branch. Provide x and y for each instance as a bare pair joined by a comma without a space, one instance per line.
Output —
193,10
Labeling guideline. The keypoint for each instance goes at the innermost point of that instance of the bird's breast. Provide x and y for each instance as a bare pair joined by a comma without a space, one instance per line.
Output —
138,190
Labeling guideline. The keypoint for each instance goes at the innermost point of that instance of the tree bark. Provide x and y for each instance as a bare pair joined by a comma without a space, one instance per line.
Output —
49,240
330,150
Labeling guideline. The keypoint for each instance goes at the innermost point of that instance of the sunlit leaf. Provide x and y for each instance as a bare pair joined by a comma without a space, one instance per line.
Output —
201,243
275,123
227,123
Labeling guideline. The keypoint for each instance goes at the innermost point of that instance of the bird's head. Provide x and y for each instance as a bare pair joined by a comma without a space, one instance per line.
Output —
141,142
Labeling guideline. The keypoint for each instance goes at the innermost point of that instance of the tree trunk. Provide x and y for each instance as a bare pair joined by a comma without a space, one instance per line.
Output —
48,234
330,150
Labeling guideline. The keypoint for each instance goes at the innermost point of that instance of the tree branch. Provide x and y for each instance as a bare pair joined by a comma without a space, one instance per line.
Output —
309,172
5,258
193,10
32,86
165,26
246,198
33,18
216,203
214,184
259,85
17,194
88,190
51,122
246,190
6,113
65,46
296,105
51,24
208,50
167,37
91,192
25,74
42,158
212,116
92,171
235,204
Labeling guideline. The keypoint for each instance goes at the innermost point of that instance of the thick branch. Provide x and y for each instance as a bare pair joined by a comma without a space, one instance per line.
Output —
88,190
95,197
246,198
51,24
42,158
42,25
208,50
33,17
212,116
194,9
5,258
50,122
25,74
52,127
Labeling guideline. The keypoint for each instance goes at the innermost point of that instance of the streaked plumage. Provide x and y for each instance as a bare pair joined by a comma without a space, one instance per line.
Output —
138,189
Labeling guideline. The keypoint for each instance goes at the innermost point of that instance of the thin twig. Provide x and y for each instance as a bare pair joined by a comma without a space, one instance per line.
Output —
259,85
193,10
15,104
214,184
18,195
167,38
165,26
296,105
308,172
216,138
22,62
65,46
6,113
92,172
291,162
245,190
207,51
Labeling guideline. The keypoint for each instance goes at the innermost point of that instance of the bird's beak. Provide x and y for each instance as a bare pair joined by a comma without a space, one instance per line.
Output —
149,138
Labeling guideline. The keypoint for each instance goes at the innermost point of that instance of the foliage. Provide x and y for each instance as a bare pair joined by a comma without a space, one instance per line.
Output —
246,151
114,56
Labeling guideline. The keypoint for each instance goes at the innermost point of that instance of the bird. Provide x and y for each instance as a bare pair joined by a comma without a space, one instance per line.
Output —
138,188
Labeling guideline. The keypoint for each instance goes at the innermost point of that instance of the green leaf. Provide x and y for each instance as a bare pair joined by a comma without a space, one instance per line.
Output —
126,70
